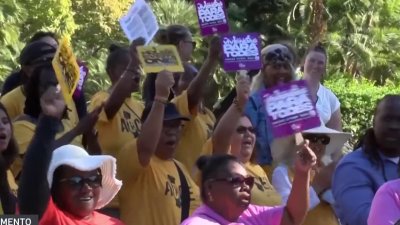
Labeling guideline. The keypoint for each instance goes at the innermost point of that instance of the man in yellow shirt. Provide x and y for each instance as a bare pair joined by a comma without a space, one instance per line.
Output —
157,189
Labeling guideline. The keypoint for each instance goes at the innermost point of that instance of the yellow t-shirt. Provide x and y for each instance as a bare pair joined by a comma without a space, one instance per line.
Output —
262,193
322,214
23,133
115,133
14,102
124,127
194,134
151,195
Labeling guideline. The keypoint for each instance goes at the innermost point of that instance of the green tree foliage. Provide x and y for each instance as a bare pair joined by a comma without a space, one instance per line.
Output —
358,99
11,16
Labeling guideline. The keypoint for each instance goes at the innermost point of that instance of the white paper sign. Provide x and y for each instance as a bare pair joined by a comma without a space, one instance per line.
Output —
140,21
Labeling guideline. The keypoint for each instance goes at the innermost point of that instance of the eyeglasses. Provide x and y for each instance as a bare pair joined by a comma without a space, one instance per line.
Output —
322,139
243,129
194,44
78,182
237,181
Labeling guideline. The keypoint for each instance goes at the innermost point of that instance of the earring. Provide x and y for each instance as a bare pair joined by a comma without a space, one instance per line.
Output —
210,198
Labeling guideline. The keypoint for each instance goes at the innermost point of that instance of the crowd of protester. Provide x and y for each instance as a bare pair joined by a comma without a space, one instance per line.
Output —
168,160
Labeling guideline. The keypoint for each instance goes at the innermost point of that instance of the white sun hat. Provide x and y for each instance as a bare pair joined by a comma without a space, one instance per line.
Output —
282,148
77,158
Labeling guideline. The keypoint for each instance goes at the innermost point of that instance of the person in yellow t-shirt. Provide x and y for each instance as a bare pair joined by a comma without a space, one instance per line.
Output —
119,122
235,135
324,142
8,152
24,126
157,188
190,92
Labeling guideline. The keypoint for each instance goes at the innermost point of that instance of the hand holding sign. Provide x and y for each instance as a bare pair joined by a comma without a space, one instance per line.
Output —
134,64
164,82
215,49
133,47
306,158
242,90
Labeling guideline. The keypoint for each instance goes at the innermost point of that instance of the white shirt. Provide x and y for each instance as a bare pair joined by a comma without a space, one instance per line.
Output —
283,185
327,103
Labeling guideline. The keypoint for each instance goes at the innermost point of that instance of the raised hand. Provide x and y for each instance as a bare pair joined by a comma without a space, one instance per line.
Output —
215,48
242,90
135,43
164,82
306,159
52,102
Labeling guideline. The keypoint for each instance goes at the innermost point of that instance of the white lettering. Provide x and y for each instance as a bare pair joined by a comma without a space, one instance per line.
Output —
282,104
240,47
15,221
211,11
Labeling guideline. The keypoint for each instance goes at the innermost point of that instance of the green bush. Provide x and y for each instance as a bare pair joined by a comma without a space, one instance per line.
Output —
358,98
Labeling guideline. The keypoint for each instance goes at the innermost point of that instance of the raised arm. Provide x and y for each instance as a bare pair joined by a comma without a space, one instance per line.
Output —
151,128
85,127
195,90
298,201
34,191
226,126
122,88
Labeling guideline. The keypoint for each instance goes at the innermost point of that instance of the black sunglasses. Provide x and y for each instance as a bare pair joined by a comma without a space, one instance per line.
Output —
243,129
238,181
313,138
78,182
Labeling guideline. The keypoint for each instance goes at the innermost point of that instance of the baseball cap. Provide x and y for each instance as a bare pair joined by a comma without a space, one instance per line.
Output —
170,112
37,52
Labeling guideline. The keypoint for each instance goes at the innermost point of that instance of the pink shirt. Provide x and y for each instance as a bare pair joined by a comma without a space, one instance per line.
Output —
385,208
253,215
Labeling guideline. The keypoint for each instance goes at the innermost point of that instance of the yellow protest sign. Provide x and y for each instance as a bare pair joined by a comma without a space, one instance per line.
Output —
66,69
155,59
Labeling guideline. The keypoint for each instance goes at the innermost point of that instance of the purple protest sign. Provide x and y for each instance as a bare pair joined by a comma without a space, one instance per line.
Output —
290,109
241,51
83,72
212,16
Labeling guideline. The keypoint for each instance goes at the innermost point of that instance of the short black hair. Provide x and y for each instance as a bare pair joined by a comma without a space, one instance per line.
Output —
171,35
211,167
41,34
116,54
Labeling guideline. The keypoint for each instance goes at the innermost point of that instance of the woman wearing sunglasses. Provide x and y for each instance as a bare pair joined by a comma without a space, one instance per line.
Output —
67,185
226,193
323,142
235,135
